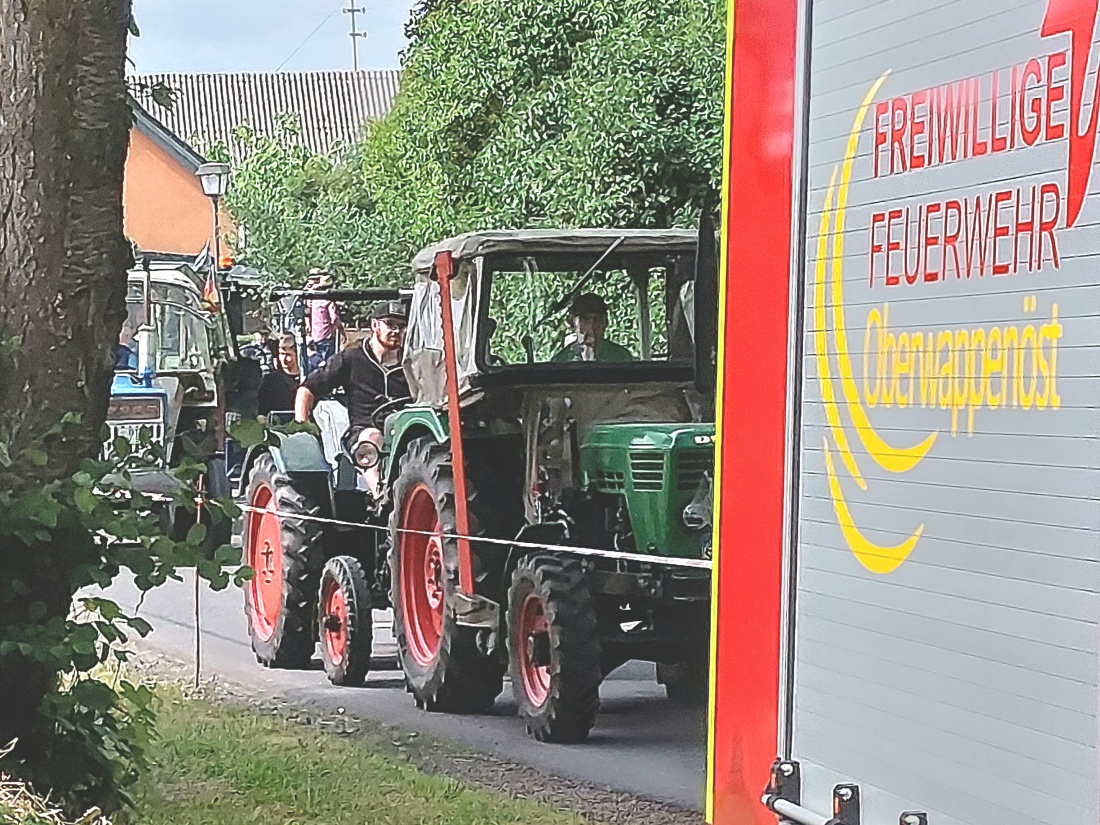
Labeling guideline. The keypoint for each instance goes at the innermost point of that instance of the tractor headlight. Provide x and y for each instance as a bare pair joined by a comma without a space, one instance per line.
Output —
366,455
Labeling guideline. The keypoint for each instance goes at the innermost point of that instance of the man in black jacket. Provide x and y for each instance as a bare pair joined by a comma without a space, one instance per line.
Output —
278,390
370,374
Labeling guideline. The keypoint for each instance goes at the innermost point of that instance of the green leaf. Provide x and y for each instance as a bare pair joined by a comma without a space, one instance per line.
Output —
248,432
121,447
140,626
196,535
134,30
85,500
94,695
36,456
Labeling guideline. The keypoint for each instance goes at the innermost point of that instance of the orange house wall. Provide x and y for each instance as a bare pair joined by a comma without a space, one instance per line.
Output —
164,207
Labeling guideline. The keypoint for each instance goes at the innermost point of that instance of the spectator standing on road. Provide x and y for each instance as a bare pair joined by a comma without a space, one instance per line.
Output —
279,386
323,318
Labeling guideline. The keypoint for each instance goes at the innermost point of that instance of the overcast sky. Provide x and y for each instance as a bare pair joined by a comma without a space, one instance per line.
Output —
264,35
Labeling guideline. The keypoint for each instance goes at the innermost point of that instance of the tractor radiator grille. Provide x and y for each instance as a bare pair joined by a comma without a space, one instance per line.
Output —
609,482
647,471
691,467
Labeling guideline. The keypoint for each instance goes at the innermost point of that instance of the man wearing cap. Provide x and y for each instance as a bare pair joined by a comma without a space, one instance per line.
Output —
588,317
370,374
323,319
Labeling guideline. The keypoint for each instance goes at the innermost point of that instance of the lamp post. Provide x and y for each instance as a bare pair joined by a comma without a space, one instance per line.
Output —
214,178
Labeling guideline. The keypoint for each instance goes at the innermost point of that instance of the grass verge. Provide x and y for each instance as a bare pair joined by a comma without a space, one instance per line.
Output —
222,765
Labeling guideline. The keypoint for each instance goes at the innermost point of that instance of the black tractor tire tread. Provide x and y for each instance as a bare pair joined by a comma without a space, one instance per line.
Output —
348,574
292,645
462,679
569,714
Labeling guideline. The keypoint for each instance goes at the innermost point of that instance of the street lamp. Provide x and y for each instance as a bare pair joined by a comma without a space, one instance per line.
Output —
214,178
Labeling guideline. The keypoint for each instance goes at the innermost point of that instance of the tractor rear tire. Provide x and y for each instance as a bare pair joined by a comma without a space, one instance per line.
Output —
686,683
344,622
285,552
444,668
554,649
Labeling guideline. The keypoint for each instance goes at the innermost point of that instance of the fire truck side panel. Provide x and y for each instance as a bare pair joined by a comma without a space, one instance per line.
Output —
946,605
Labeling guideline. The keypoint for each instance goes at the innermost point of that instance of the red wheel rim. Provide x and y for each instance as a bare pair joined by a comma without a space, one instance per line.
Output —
421,575
264,555
334,622
532,649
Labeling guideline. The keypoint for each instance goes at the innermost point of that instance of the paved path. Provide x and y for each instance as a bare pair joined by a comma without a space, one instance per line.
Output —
641,744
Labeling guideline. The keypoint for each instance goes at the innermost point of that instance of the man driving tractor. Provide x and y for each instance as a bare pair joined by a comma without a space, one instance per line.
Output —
588,320
370,374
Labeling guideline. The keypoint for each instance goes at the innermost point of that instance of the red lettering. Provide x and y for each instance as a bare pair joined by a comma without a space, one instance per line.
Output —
1048,225
1014,111
876,247
1056,92
892,246
919,124
948,120
999,142
1024,227
1078,20
981,147
977,242
930,240
1032,73
951,239
999,230
912,272
881,109
900,106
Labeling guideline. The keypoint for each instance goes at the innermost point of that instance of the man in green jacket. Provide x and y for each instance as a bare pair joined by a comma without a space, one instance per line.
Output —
588,317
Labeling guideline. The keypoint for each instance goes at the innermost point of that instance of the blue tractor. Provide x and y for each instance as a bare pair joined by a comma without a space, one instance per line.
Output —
175,374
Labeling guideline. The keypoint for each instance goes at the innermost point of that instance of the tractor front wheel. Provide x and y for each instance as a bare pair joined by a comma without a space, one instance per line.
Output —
444,668
344,622
554,649
284,550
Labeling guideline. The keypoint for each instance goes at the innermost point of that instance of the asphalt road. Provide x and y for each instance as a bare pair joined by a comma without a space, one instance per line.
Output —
641,743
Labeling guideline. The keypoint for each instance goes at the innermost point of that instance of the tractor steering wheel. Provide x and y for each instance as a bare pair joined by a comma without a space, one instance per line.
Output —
378,417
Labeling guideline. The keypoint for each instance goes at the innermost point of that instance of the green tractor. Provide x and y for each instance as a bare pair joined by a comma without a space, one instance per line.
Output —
545,516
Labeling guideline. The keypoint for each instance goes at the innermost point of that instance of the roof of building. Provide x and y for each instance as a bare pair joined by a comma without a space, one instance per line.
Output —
330,107
166,139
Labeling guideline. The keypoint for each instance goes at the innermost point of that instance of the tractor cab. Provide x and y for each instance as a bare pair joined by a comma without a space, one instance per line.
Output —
166,393
610,418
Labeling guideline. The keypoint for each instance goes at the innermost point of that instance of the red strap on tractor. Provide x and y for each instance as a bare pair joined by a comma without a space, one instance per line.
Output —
444,272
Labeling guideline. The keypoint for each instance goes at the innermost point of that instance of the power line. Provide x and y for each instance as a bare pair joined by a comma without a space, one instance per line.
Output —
309,36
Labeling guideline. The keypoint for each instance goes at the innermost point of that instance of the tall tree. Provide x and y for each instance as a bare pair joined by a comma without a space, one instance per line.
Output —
512,113
64,126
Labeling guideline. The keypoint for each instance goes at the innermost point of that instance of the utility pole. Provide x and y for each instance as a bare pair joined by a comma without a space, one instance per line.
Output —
355,35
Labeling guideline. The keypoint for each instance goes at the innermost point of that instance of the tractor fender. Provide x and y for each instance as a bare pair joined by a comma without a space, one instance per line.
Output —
404,426
294,454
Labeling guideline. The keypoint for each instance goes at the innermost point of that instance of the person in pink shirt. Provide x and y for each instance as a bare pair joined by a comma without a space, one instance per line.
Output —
323,319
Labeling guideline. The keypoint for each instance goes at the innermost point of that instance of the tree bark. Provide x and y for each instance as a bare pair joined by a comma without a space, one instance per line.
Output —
64,130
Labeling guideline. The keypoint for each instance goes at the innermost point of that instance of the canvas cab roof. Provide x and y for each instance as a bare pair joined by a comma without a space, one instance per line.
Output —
556,241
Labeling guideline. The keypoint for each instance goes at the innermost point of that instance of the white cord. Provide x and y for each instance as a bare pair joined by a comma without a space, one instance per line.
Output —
667,561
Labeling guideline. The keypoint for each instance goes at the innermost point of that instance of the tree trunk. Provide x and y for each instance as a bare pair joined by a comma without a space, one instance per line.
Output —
64,129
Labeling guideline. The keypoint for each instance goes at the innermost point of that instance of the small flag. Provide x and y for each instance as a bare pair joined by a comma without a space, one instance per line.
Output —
211,299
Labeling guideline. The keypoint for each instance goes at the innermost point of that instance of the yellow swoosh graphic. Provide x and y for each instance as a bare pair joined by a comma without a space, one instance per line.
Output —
821,343
875,557
893,459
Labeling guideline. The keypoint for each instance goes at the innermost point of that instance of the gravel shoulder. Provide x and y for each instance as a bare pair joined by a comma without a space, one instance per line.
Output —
599,805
